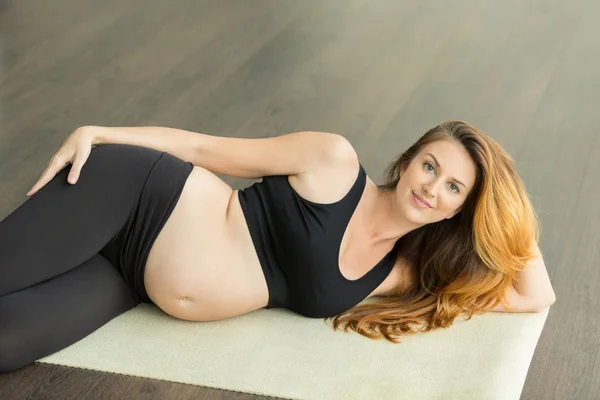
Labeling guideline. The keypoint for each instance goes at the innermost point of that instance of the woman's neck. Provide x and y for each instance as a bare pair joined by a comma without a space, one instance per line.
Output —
384,221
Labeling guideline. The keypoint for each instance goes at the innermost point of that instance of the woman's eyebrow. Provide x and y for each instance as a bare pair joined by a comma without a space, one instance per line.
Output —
438,165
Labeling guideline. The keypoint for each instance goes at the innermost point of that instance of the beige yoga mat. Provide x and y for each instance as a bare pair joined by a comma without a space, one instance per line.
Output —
282,354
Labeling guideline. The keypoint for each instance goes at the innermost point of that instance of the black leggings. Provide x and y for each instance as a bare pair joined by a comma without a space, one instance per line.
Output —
72,257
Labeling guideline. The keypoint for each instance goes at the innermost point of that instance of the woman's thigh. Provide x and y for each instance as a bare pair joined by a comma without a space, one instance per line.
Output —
63,225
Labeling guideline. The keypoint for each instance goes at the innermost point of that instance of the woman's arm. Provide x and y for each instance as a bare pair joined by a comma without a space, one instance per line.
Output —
534,281
178,142
290,154
532,290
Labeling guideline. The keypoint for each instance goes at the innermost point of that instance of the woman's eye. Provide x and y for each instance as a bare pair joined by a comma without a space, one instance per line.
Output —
453,187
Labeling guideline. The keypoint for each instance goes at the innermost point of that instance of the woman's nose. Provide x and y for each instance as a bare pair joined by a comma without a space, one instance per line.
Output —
431,188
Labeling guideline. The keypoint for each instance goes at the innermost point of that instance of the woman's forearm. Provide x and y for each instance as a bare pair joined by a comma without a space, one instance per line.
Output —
534,282
178,142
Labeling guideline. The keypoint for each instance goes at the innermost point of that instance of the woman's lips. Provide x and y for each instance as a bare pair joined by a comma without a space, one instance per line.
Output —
419,202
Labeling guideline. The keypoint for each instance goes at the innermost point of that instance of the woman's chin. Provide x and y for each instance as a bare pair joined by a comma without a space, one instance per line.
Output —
416,215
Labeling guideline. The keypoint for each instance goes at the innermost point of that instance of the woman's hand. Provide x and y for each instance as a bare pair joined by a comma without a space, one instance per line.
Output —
75,150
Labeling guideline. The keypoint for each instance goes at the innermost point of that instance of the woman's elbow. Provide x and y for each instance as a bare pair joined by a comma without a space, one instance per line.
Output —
545,304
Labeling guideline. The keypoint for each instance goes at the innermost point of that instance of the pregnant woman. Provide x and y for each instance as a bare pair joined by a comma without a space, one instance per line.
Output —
129,215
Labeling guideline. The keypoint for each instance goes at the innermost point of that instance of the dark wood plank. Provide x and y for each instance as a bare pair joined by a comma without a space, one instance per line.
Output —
45,381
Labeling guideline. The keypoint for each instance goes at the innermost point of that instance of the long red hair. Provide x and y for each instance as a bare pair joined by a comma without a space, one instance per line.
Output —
464,264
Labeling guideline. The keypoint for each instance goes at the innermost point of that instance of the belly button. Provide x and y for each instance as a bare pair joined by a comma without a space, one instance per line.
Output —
185,299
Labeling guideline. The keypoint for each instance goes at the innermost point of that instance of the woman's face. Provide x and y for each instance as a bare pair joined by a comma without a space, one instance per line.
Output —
443,175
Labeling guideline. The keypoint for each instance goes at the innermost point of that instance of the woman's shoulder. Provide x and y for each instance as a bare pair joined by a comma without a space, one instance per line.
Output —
330,181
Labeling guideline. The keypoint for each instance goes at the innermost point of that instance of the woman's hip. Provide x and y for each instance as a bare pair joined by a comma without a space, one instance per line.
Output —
157,198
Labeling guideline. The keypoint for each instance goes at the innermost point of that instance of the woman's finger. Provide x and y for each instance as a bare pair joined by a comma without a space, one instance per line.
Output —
40,183
75,171
47,176
80,159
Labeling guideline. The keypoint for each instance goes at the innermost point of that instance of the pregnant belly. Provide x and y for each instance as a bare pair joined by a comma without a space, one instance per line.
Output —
203,266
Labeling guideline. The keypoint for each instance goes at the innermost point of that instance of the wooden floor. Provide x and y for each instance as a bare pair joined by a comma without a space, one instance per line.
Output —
380,72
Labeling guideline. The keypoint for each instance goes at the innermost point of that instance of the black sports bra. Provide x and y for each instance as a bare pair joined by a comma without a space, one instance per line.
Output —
298,242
